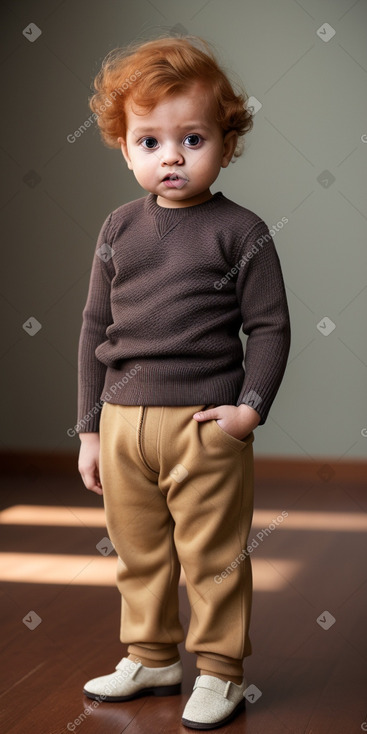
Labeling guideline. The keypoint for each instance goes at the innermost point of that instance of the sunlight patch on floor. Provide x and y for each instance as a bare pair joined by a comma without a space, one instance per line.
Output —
95,517
50,568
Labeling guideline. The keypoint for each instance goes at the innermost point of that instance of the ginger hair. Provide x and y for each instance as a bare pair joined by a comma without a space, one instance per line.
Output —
145,73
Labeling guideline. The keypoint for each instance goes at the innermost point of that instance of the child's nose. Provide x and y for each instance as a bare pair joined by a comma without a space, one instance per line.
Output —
171,155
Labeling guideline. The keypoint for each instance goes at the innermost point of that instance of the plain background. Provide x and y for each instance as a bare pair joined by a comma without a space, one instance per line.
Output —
305,160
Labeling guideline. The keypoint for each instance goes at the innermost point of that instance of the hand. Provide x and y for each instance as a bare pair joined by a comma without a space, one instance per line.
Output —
238,421
88,464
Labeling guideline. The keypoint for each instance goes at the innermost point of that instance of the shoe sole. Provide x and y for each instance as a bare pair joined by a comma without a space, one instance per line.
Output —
153,691
217,724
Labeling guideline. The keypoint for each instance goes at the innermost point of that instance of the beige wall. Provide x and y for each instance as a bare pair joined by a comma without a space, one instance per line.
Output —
313,119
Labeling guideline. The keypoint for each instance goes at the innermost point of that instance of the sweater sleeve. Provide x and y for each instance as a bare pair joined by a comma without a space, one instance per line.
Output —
264,309
96,318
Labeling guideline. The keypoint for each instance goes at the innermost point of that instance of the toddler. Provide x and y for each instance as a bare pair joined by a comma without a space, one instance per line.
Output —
167,401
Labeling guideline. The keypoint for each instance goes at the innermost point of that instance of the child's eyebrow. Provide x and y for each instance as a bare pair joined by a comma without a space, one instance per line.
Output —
185,126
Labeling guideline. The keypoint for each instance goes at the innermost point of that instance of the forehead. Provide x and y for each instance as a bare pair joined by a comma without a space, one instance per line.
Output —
196,103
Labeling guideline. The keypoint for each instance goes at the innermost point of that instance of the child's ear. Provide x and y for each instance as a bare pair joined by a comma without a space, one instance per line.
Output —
125,152
229,146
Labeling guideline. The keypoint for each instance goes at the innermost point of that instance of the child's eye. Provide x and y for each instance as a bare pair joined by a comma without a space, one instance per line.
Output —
192,140
149,143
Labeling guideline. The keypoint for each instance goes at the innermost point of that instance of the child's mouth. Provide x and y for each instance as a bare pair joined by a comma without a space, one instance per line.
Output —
174,181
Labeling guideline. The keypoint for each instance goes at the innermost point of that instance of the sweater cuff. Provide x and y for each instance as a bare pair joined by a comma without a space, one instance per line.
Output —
255,401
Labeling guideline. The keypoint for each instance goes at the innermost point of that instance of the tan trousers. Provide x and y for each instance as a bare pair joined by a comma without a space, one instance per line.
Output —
179,492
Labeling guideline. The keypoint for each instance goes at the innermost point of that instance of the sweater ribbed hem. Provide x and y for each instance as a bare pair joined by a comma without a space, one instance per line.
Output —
152,382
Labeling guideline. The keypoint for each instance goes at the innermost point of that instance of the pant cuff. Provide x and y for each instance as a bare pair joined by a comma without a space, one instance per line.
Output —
154,655
228,667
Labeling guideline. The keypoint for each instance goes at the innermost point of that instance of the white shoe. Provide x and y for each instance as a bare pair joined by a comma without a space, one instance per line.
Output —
133,680
213,703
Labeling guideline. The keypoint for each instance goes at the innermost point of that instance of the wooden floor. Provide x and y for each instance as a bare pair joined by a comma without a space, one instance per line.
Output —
312,675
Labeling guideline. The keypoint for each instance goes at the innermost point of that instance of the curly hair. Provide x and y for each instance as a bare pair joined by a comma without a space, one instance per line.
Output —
145,73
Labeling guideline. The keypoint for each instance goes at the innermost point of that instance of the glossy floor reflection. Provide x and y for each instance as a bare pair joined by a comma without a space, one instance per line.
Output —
60,613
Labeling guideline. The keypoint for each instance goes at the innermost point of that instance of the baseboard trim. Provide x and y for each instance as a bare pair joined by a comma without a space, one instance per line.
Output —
31,463
36,463
324,469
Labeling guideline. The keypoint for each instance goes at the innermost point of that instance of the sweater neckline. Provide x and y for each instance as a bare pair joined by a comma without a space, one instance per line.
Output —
174,213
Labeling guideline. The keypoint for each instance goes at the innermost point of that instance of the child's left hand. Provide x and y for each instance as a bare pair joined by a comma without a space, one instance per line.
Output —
238,421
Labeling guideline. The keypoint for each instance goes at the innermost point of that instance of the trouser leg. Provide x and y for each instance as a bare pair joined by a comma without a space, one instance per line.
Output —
141,529
210,497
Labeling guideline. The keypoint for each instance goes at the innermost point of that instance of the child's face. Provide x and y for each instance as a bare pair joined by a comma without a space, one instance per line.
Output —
181,138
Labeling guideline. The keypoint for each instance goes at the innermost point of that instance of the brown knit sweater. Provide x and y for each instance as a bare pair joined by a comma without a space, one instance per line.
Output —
169,291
